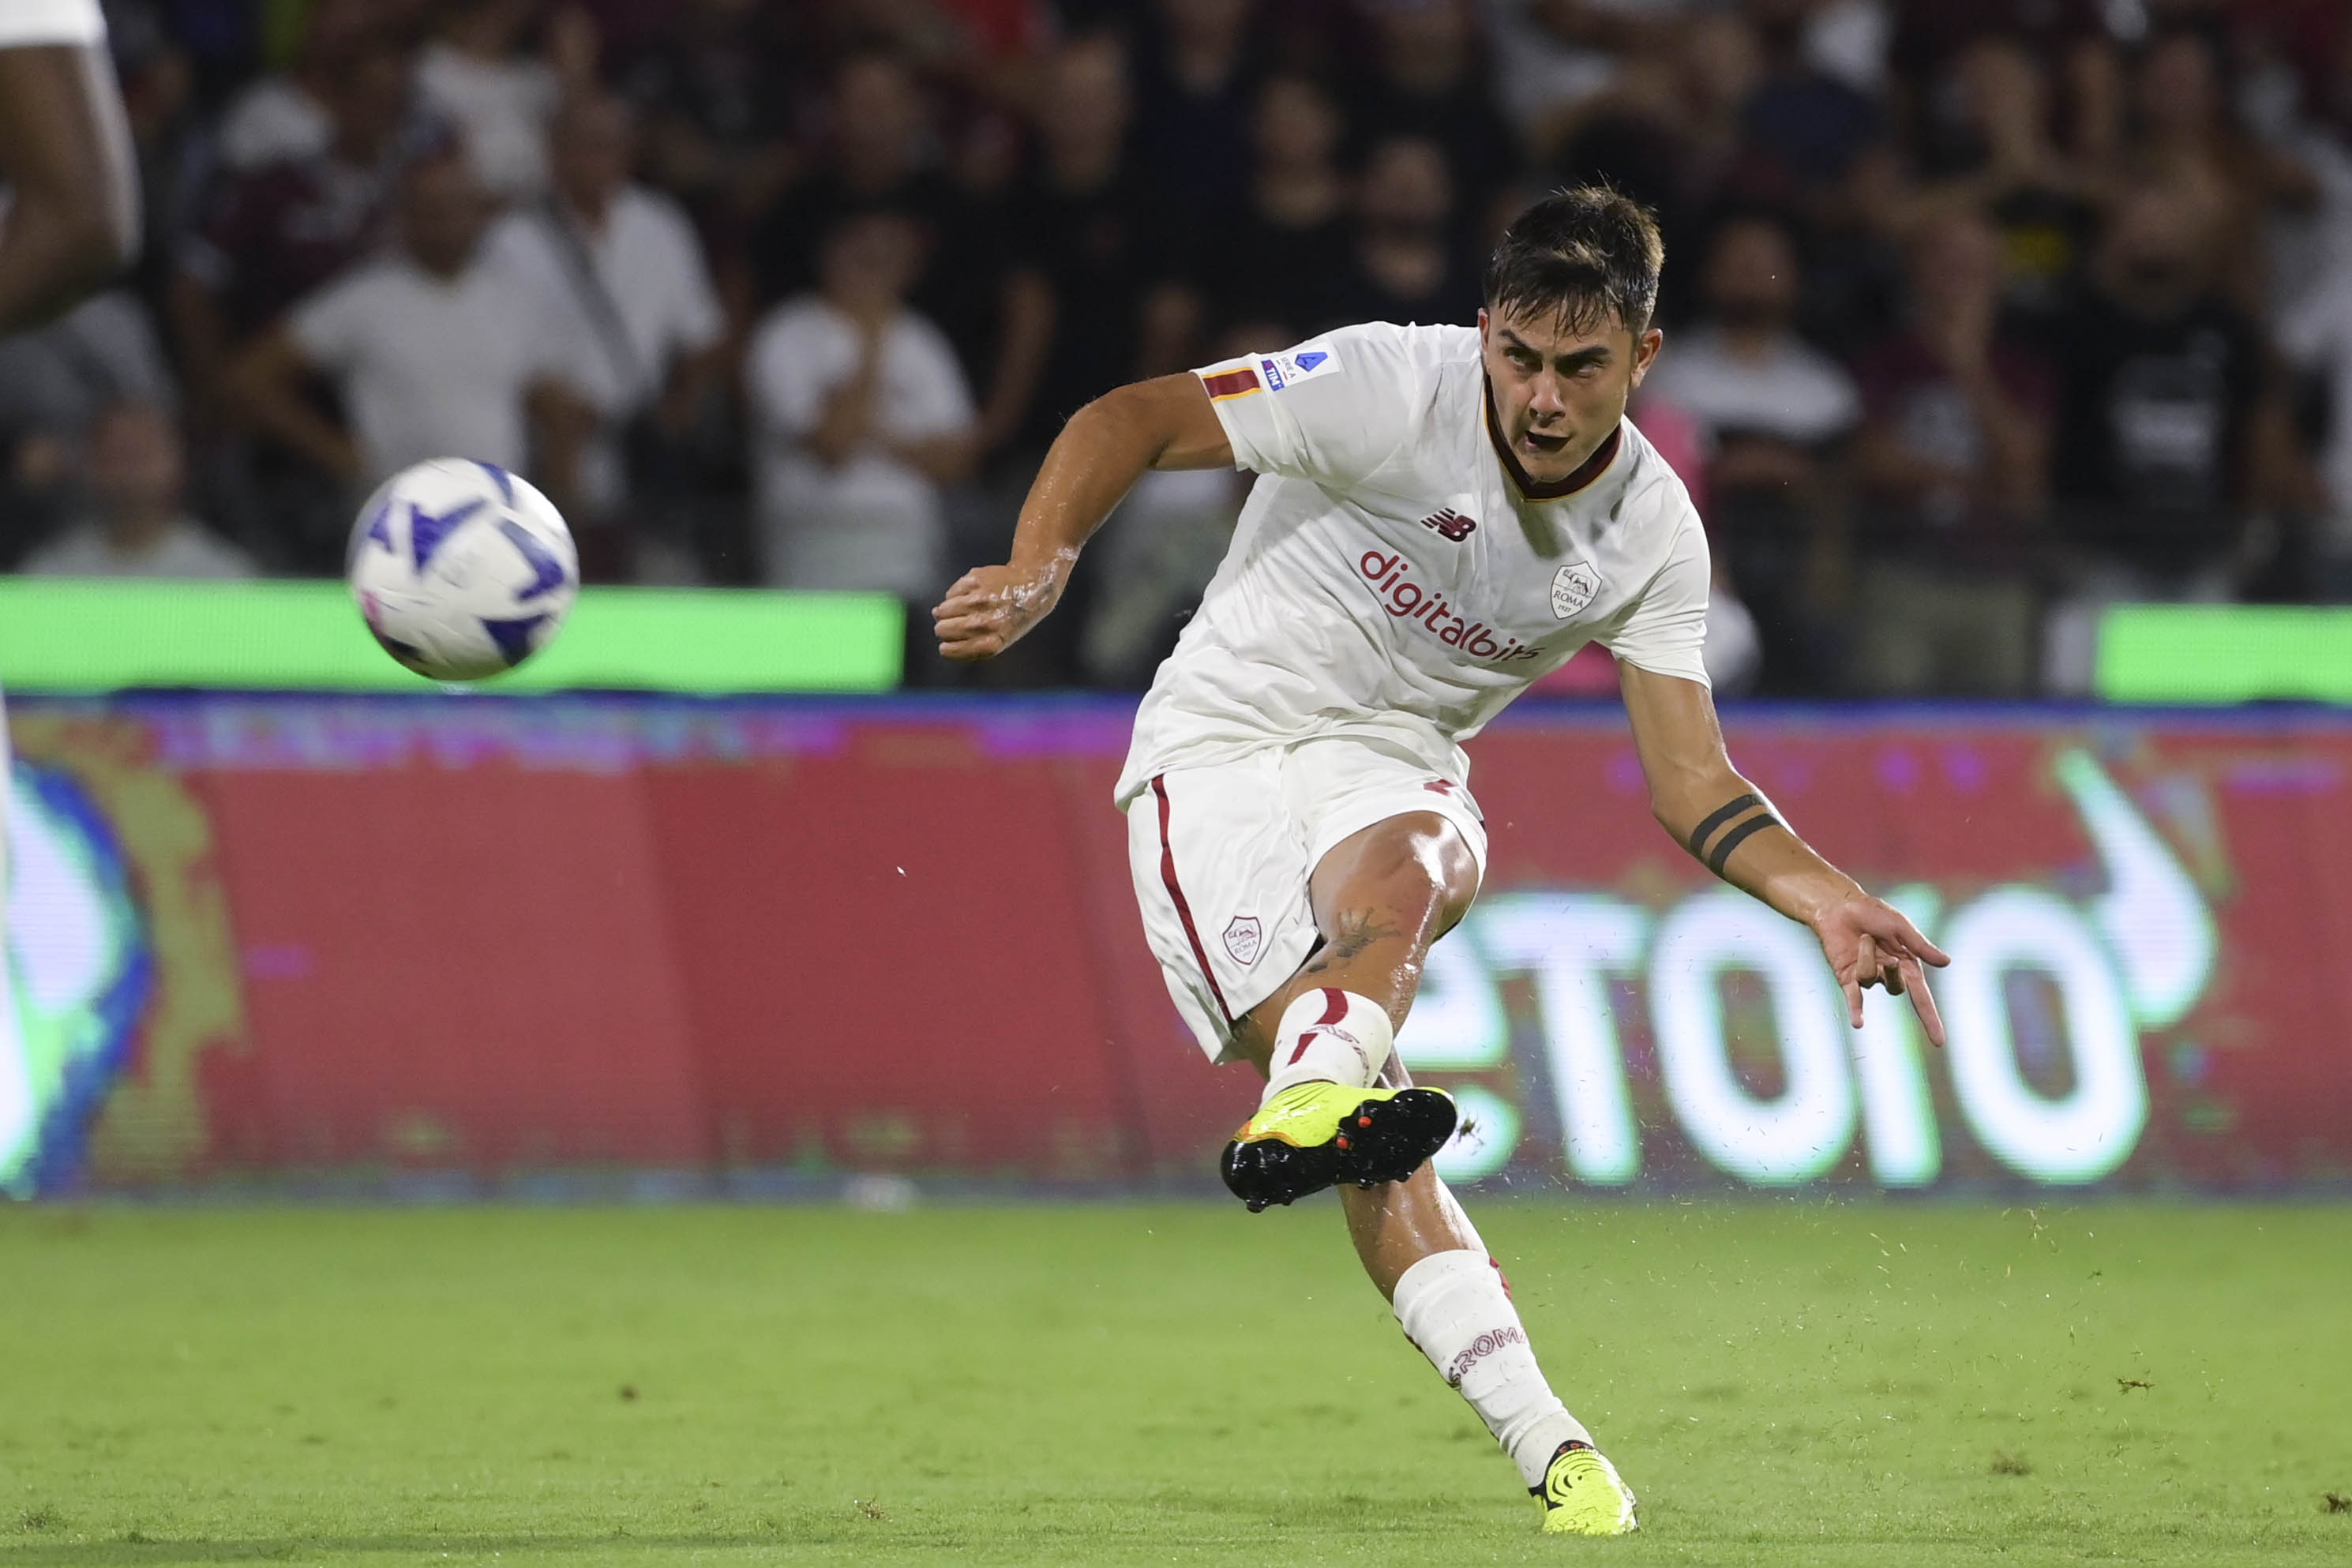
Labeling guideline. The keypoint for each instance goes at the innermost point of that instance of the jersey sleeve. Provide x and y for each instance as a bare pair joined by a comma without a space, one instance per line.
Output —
1333,409
1665,631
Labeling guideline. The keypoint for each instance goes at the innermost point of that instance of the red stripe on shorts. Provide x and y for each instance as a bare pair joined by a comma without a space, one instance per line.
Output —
1183,909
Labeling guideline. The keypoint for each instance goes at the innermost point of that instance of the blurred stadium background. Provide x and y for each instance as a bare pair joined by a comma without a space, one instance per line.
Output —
2004,350
2010,355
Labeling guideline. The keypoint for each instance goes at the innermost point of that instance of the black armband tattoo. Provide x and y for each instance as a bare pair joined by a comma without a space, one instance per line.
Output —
1716,857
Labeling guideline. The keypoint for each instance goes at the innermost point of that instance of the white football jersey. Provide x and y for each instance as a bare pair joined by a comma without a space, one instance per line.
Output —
1391,580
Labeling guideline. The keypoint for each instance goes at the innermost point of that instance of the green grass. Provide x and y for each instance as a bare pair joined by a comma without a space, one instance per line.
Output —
1784,1385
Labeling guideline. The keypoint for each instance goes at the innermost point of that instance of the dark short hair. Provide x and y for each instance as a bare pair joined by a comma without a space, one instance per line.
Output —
1588,253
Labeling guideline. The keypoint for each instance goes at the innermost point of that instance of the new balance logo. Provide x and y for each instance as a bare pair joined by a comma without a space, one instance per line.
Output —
1452,524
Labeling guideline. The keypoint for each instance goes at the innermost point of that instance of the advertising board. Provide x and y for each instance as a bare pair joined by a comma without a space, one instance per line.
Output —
784,941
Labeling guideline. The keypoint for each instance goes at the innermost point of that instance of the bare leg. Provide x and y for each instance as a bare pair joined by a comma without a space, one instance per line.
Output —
1382,897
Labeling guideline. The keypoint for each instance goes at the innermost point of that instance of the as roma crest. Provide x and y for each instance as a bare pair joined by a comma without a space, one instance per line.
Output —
1243,938
1573,586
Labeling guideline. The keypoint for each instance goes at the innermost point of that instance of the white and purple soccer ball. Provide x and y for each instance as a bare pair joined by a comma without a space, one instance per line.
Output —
462,569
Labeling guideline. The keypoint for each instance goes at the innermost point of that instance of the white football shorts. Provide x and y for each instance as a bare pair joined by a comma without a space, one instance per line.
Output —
1222,856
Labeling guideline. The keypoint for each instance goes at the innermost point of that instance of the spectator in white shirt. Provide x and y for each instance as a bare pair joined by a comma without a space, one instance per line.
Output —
286,115
2317,336
1774,411
437,351
136,469
860,415
631,291
501,99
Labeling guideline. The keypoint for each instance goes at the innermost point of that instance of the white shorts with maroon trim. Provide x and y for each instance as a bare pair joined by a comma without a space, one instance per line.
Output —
1221,856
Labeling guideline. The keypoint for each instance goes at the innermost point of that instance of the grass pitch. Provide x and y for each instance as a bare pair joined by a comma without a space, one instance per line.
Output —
1784,1384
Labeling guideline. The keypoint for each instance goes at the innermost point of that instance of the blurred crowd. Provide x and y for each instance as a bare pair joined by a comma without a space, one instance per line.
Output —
1981,314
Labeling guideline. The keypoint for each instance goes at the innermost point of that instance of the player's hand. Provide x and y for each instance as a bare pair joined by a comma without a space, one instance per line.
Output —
991,609
1869,942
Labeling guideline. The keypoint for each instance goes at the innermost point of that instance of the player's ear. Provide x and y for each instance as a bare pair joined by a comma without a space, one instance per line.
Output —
1645,351
1483,325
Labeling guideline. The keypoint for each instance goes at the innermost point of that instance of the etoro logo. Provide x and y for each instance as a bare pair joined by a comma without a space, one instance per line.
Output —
1391,575
2102,966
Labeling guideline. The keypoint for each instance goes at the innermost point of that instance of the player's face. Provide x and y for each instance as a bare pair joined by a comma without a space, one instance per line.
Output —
1560,389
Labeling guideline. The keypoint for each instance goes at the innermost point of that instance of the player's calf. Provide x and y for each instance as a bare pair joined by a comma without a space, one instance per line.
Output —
1455,1307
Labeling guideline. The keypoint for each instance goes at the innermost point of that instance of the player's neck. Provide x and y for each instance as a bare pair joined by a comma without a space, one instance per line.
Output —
1532,488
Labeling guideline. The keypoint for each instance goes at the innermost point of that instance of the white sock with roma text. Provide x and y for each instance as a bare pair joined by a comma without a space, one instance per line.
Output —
1455,1309
1329,1035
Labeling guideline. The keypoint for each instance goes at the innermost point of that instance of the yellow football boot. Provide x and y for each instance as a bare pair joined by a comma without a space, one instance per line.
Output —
1581,1495
1315,1135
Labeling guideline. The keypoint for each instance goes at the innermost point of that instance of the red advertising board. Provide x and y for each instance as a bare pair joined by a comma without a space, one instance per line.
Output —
277,937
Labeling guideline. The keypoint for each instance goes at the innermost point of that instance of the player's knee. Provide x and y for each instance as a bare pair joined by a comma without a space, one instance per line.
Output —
1428,872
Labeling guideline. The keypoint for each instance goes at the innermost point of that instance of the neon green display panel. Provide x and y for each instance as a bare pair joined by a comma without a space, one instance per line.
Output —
2225,653
67,635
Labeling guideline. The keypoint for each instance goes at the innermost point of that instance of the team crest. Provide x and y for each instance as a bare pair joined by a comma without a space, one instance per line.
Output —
1243,937
1573,586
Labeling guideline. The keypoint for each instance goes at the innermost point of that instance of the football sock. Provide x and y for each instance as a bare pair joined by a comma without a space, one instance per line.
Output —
1329,1035
1454,1309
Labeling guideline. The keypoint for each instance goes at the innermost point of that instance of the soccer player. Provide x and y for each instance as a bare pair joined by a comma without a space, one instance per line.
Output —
1443,514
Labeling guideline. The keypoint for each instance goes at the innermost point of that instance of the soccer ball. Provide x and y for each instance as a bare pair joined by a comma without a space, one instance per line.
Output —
462,569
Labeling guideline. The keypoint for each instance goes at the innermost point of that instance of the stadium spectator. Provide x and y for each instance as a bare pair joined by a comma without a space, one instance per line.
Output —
2188,136
885,149
167,138
1775,410
288,115
2170,428
1995,152
880,146
631,293
1670,133
476,72
860,416
1088,221
1929,37
275,234
716,99
1951,467
1429,79
56,380
1195,80
1405,263
1804,126
435,348
1556,60
2317,336
1263,265
135,528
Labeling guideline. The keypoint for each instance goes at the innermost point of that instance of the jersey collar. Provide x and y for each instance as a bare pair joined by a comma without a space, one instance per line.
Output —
1592,468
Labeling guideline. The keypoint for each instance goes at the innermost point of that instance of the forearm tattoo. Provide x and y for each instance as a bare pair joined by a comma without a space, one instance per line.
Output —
1730,825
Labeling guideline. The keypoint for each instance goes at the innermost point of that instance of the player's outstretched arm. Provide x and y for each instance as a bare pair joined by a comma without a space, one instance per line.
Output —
1726,823
65,154
1167,423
